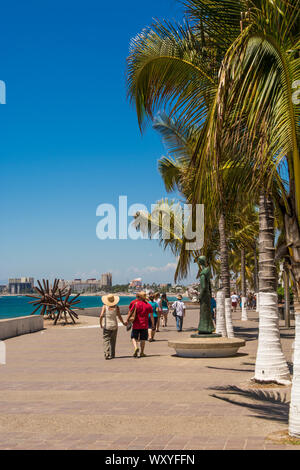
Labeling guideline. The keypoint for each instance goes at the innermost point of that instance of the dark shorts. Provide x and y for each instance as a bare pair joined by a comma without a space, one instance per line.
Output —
150,323
139,335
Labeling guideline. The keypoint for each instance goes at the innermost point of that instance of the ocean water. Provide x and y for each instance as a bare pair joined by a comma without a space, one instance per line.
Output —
18,306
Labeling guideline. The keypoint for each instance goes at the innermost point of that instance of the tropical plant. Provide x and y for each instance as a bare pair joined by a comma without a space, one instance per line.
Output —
254,107
230,72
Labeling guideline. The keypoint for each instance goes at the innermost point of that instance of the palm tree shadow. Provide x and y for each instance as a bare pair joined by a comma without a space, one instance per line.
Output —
268,404
249,334
230,369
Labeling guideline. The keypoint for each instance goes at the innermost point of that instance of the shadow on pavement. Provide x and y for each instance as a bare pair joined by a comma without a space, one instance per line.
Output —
212,358
249,334
230,369
268,404
132,357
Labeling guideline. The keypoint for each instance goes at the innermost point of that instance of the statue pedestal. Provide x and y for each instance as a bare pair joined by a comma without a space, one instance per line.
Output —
198,346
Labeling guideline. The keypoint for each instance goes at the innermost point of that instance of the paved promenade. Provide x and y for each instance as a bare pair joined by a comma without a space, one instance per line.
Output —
58,392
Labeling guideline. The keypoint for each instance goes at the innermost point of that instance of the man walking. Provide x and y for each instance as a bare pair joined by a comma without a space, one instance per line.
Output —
179,309
140,310
234,301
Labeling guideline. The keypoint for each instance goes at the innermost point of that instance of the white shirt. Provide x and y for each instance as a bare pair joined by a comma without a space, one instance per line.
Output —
111,322
179,307
234,298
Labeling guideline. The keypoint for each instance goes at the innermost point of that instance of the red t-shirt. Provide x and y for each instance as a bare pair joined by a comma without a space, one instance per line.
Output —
143,309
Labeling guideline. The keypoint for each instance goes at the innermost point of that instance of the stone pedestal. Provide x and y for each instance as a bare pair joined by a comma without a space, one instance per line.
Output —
207,347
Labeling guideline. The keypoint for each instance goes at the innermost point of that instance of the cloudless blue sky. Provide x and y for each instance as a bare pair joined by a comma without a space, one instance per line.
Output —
70,139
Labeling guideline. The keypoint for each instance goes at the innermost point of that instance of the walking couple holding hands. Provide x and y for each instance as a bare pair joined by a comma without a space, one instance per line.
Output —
140,318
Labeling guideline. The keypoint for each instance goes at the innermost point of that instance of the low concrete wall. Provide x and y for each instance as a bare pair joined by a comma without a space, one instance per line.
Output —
95,311
12,327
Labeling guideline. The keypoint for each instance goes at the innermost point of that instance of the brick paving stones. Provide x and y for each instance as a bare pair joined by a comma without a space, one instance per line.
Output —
58,392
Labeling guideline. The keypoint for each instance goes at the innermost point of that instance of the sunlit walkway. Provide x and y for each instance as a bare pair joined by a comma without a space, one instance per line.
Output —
58,392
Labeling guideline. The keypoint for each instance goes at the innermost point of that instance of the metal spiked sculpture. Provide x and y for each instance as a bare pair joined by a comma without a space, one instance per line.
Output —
53,301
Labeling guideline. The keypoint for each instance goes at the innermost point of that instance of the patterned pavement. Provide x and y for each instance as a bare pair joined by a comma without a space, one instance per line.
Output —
58,392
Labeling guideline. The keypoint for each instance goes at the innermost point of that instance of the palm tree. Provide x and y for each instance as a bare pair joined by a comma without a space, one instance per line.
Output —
255,94
258,73
231,74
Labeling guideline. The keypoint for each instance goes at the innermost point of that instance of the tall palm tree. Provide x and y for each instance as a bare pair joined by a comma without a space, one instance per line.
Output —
232,74
255,93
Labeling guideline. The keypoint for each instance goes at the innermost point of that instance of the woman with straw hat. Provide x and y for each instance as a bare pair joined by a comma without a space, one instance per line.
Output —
110,314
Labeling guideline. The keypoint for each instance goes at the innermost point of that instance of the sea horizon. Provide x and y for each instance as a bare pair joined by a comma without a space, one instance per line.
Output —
14,306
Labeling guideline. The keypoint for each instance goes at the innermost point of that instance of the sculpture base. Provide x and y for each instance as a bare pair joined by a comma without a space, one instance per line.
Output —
207,347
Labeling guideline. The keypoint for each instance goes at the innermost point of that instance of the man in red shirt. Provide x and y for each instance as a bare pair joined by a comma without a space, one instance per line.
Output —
139,331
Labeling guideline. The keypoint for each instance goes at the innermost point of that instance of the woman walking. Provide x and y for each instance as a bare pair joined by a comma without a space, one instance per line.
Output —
155,309
110,314
157,299
165,309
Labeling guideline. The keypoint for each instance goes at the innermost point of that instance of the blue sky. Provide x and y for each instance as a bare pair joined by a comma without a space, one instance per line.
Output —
70,139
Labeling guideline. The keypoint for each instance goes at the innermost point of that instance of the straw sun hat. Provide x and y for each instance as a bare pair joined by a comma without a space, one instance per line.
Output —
110,300
142,295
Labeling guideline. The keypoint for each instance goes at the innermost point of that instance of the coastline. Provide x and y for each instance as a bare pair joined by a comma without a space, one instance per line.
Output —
18,306
95,294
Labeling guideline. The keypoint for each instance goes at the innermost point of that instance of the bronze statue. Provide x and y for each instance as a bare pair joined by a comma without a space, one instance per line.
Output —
206,325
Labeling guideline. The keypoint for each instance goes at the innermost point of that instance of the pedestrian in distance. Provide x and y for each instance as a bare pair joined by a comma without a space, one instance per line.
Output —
213,308
179,310
155,311
157,299
234,301
165,309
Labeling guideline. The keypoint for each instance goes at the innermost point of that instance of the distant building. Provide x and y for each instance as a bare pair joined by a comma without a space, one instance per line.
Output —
106,280
90,285
21,285
2,289
136,284
78,286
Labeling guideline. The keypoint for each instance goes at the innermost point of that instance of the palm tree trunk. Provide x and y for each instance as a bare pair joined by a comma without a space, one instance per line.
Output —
225,275
244,291
294,415
256,280
2,353
220,314
287,316
292,231
271,365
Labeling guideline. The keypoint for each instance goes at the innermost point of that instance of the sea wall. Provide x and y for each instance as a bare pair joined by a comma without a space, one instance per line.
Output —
12,327
95,311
